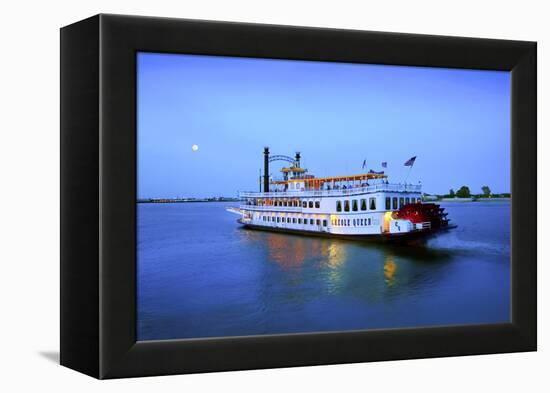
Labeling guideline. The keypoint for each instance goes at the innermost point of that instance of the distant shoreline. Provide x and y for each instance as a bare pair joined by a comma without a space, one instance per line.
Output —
166,200
452,200
465,200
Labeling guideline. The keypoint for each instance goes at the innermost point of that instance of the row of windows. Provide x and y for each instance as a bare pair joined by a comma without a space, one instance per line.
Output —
294,220
396,203
361,204
292,203
349,222
355,205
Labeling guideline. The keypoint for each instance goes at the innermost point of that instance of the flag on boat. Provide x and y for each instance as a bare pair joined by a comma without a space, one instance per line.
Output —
364,164
384,164
410,162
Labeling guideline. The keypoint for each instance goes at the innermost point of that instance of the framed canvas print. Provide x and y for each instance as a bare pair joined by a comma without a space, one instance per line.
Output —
239,196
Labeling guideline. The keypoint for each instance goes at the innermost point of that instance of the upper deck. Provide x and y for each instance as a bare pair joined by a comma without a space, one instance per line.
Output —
340,192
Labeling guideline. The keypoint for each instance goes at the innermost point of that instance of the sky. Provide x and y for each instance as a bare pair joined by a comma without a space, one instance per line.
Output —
457,123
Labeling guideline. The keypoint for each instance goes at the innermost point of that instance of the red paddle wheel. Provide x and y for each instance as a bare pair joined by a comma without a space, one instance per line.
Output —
423,213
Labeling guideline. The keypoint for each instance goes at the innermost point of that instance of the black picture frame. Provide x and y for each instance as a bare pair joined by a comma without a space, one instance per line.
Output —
98,195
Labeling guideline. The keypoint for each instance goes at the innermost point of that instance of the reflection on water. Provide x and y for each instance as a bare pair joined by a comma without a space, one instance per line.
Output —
201,275
389,270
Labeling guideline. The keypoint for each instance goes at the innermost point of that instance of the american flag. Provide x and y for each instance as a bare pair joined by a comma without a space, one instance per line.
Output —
410,162
364,164
384,164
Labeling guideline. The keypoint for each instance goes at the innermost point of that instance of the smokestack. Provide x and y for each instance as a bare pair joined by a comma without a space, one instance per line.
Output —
266,169
297,159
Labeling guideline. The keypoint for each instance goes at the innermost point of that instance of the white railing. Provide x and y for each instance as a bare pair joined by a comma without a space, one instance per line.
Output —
293,209
338,192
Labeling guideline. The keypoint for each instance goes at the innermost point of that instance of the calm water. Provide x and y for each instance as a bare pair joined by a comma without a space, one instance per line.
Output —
201,275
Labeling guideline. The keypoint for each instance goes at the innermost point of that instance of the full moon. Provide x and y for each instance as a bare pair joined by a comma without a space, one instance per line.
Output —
195,147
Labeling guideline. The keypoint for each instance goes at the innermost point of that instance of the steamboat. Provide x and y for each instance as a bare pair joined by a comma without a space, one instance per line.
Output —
363,206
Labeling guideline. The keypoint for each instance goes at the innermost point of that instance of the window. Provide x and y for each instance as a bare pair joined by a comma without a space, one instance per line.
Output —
394,203
346,206
285,203
338,206
304,204
311,204
311,221
354,205
354,222
372,203
388,203
368,223
347,223
362,222
278,219
299,220
363,204
324,223
318,222
407,201
317,204
401,202
294,220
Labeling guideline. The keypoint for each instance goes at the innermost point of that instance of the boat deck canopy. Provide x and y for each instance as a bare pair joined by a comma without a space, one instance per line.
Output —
322,180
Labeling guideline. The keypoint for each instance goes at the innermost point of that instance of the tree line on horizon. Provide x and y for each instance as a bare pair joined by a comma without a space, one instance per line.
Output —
464,192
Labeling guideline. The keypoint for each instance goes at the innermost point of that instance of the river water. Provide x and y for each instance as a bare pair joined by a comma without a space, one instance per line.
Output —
201,275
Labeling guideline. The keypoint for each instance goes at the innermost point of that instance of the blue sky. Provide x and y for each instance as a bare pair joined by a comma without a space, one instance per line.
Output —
457,122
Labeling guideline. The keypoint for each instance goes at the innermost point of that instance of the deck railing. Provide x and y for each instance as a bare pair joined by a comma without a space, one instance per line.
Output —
289,209
334,192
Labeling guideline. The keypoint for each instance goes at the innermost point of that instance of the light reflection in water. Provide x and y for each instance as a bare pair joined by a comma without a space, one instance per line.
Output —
364,271
287,254
389,270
